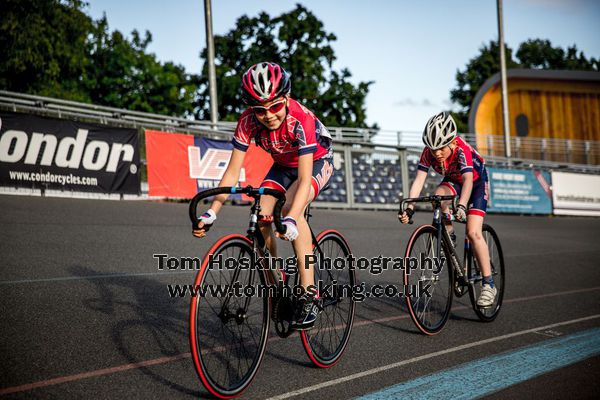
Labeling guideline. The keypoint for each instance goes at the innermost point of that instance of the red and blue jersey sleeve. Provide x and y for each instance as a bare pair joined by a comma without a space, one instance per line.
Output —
468,160
465,156
304,129
425,161
465,161
244,131
306,137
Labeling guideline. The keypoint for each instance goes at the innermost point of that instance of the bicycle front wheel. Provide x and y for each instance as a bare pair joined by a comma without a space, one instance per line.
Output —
475,277
228,330
326,341
428,295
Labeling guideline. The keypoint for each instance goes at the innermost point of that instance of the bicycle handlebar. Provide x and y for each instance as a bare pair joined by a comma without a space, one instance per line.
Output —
427,199
249,191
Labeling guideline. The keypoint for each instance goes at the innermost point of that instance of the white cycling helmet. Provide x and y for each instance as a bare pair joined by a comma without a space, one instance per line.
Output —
440,131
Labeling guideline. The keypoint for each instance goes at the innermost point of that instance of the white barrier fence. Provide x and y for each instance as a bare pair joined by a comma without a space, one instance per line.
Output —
369,176
575,194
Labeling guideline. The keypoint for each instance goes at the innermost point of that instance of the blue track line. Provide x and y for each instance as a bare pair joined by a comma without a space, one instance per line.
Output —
488,375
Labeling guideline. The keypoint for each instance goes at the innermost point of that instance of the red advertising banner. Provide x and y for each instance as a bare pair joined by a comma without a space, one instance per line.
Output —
181,165
168,166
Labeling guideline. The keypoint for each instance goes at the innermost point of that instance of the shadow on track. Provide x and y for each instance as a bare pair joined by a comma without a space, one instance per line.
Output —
158,322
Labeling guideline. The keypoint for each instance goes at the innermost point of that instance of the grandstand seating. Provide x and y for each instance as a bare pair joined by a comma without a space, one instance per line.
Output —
375,180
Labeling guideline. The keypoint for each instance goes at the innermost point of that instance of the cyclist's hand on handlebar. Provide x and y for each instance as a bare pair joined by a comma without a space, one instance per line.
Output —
204,223
200,232
461,213
291,232
406,216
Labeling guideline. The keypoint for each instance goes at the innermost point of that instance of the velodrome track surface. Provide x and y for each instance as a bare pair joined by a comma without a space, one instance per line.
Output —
85,313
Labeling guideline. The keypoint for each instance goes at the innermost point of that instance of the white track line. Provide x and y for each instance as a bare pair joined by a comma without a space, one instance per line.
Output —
425,357
162,360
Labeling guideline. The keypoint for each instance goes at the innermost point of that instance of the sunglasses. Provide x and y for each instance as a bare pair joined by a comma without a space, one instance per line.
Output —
274,108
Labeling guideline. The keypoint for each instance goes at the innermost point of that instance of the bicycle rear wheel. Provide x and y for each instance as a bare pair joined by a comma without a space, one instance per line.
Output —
326,341
429,313
497,263
228,334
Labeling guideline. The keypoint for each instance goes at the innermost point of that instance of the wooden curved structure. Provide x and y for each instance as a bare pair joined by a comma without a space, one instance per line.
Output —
542,104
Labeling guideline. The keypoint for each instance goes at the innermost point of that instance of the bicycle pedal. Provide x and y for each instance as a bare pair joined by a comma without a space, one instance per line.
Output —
303,328
319,304
283,329
459,290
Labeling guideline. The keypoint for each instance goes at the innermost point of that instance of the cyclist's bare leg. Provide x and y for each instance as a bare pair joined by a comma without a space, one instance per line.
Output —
267,203
303,243
445,191
475,235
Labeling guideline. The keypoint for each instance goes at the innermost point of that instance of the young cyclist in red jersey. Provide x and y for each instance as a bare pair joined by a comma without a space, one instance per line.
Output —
302,153
464,175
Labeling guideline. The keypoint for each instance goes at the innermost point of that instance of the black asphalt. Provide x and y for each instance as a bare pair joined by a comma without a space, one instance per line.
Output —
66,309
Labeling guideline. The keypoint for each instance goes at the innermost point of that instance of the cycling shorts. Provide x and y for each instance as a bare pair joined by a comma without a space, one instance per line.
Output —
281,178
479,196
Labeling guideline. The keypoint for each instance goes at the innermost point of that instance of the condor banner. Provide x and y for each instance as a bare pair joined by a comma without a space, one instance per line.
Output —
48,153
181,165
519,191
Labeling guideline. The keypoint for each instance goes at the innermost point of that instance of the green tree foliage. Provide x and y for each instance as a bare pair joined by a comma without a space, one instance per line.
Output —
296,40
533,54
44,47
52,48
539,54
122,74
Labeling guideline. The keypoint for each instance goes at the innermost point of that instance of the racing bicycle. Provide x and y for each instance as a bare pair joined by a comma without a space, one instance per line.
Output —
229,333
431,311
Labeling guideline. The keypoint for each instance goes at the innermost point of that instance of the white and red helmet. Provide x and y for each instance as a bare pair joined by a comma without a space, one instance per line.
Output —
264,82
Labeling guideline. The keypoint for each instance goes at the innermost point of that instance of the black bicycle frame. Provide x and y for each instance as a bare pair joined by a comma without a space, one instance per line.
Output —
258,241
443,238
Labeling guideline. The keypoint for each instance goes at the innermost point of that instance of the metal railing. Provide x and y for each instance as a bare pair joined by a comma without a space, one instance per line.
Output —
549,149
19,102
531,148
391,167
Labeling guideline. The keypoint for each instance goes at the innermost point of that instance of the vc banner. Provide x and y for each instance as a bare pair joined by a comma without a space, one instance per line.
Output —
181,165
49,153
519,191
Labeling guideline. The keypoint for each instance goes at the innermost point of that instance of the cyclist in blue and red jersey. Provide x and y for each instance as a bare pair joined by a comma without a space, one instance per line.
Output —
302,153
464,175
